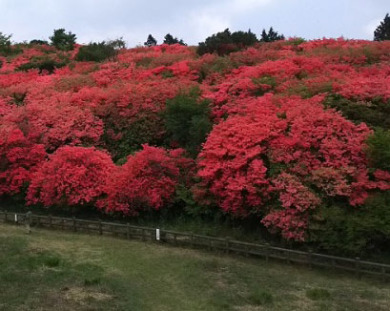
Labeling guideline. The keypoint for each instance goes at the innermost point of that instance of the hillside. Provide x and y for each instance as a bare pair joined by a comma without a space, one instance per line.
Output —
292,134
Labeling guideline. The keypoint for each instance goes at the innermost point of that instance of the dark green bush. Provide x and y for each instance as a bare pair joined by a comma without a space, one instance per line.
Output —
346,230
378,150
42,64
226,42
39,42
375,113
187,121
62,40
96,52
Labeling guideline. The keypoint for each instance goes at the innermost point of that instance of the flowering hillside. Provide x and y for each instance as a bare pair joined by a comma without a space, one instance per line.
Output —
283,132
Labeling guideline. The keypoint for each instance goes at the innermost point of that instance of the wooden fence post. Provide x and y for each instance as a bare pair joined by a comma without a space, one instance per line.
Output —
383,271
357,266
267,251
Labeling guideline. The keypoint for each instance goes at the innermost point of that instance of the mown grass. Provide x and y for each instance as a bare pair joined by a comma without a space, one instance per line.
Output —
49,270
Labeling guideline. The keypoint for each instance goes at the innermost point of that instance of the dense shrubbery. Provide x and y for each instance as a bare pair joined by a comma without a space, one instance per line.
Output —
96,52
226,42
187,121
290,135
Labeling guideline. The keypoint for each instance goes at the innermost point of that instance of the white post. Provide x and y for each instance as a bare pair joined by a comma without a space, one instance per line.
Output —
157,234
16,217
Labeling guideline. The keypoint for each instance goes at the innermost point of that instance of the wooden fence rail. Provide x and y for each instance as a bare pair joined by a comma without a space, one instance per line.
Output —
357,266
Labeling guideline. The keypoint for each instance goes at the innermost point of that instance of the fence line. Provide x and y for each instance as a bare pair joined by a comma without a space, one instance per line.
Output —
266,251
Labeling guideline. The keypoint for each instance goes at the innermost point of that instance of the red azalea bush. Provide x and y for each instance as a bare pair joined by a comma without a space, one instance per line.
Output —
19,159
72,176
289,148
148,178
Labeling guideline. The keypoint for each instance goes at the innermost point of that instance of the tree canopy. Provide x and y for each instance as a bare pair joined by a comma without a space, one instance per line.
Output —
382,32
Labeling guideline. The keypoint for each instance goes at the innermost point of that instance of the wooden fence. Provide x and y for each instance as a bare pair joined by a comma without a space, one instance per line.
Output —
356,266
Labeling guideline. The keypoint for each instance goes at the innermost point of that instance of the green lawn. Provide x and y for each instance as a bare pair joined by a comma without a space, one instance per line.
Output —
51,270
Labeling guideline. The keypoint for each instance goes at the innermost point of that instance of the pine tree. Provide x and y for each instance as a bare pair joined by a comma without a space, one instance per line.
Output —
382,32
62,40
151,41
169,39
271,36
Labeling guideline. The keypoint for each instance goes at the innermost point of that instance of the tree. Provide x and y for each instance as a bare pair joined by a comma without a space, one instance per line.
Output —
271,36
62,40
117,44
382,32
226,42
96,52
39,42
151,41
169,39
5,44
5,40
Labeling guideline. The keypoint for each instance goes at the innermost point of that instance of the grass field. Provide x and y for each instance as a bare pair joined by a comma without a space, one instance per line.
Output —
51,270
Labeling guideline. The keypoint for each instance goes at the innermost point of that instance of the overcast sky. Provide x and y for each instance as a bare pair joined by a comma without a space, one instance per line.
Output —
191,20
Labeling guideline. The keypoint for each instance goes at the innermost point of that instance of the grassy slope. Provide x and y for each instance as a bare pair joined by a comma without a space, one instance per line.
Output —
80,272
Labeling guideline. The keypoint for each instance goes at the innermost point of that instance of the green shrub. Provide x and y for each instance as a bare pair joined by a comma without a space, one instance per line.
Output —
43,64
226,42
187,121
378,150
96,52
339,228
375,113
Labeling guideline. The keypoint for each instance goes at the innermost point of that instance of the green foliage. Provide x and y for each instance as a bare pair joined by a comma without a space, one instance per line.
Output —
169,39
187,121
5,40
39,42
271,36
353,231
6,49
117,44
382,32
96,52
379,149
42,64
62,40
226,42
375,113
150,41
145,130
